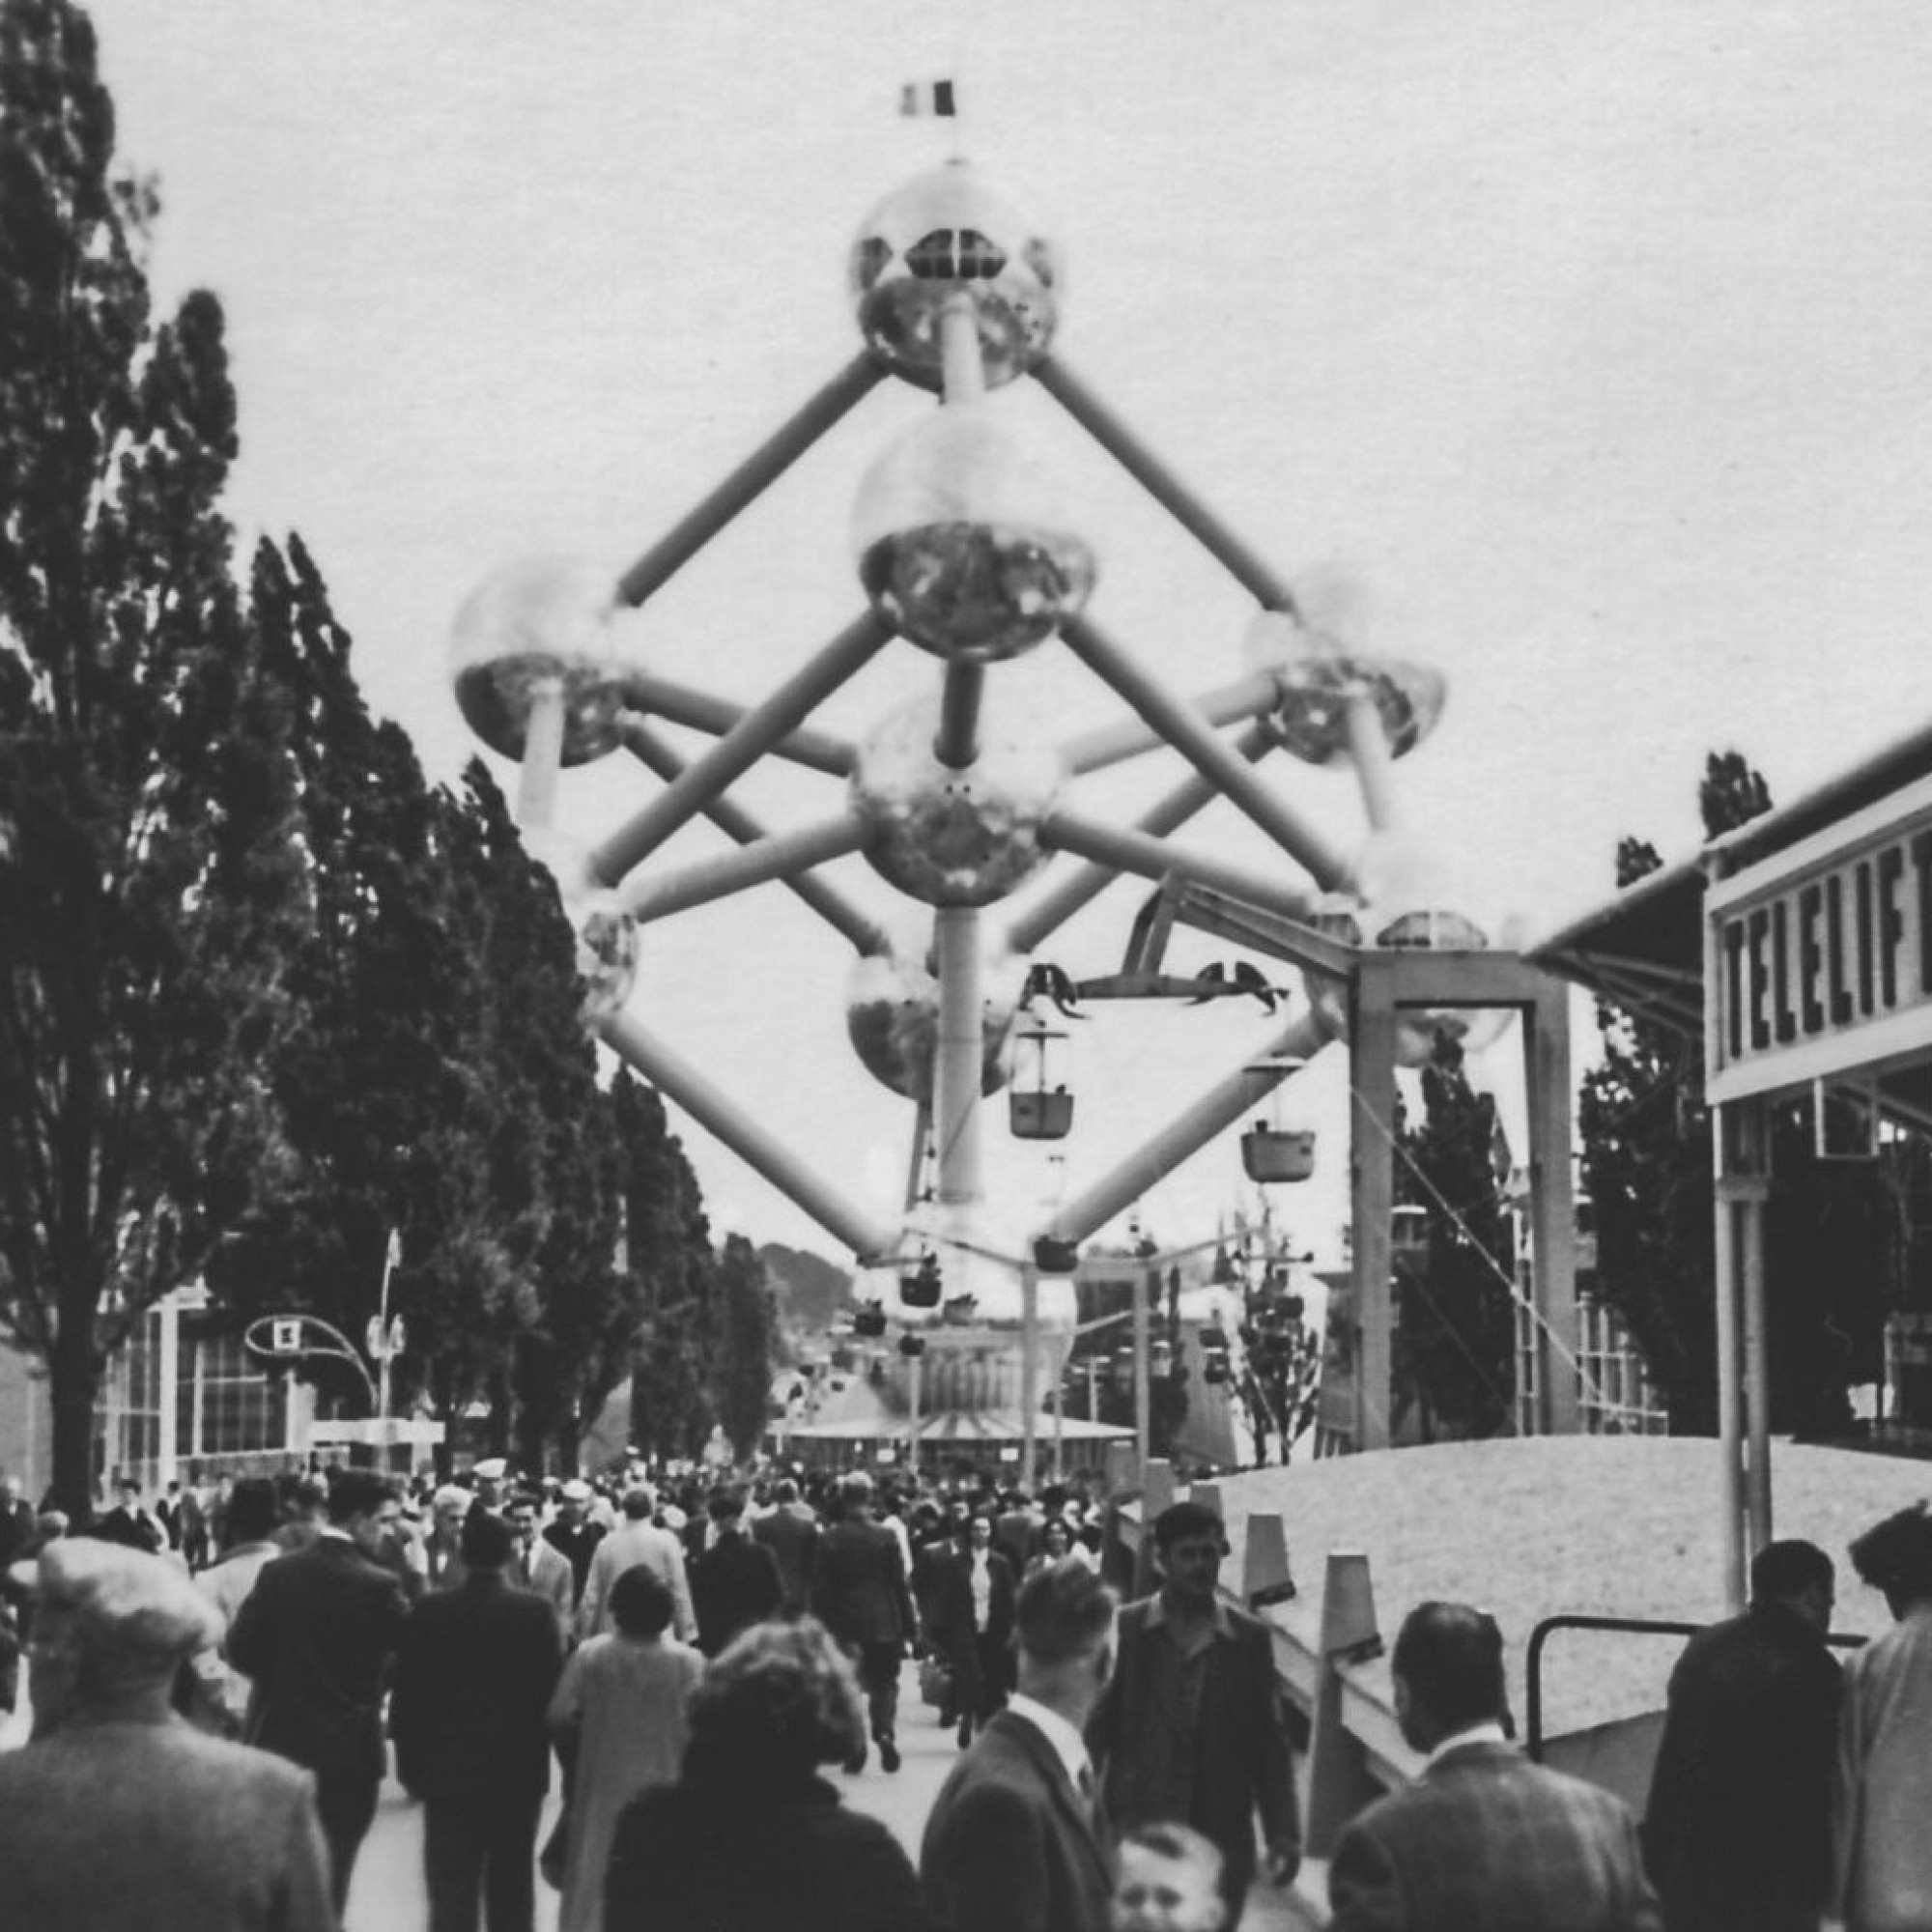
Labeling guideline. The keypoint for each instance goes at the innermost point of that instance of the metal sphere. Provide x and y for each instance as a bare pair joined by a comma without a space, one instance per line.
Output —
892,1018
947,837
962,538
542,620
942,234
1404,896
607,933
1314,680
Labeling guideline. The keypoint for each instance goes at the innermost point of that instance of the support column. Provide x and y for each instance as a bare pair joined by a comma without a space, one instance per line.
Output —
1730,1382
1751,1190
959,1056
1372,1137
1552,1210
1029,1376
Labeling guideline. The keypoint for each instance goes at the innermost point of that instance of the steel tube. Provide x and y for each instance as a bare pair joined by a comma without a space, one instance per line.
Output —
960,1054
543,756
1211,1115
1369,748
681,1082
1079,888
753,735
1147,468
776,857
1133,851
962,372
957,744
1115,744
751,478
866,935
644,691
1192,737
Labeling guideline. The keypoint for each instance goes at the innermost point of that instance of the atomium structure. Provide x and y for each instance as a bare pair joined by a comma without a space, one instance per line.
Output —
966,551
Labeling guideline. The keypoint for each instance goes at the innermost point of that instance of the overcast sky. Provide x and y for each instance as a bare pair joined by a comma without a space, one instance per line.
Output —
1593,341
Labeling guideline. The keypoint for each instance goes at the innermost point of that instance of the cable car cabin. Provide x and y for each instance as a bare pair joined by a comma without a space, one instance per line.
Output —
1271,1154
1124,1368
1160,1359
1036,1114
868,1319
1409,1231
912,1347
1055,1257
1213,1365
920,1287
1034,1111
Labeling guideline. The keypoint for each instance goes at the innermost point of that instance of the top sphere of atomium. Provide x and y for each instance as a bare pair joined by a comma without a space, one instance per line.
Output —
944,234
546,621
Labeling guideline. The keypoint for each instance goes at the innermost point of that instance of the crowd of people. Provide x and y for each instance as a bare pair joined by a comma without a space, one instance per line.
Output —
217,1687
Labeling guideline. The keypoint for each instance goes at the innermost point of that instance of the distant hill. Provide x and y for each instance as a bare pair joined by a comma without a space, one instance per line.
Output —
812,1292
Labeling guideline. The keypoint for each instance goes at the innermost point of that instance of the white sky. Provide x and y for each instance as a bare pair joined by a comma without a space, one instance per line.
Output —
1594,339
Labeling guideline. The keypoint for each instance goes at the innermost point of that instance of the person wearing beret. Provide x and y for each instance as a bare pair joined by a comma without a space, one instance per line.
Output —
120,1816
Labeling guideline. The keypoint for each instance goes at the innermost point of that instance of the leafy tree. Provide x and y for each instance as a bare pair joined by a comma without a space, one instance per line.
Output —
668,1246
745,1334
1455,1354
148,890
1647,1168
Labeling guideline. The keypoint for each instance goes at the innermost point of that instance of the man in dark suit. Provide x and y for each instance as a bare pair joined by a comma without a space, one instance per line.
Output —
735,1582
128,1523
861,1595
970,1623
473,1681
316,1633
1483,1837
790,1533
1194,1727
1738,1831
574,1535
1012,1844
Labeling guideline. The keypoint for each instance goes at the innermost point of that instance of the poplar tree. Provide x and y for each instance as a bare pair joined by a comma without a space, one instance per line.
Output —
149,887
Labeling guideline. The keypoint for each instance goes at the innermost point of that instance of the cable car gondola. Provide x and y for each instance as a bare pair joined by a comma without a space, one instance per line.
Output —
1038,1113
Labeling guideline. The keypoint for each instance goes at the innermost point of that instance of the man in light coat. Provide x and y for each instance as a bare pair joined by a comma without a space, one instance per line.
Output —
535,1565
637,1540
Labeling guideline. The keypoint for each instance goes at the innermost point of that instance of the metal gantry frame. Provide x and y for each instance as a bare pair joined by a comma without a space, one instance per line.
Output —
1282,907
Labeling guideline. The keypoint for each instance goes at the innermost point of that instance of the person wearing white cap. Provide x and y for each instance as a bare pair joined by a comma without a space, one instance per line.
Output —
121,1814
574,1535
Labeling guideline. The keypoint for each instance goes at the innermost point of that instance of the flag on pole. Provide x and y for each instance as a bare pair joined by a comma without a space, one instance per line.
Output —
394,1257
927,98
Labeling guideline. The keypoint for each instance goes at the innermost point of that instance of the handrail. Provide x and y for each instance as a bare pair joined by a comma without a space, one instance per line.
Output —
1642,1626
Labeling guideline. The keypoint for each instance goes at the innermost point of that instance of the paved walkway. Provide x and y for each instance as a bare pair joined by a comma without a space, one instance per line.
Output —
387,1894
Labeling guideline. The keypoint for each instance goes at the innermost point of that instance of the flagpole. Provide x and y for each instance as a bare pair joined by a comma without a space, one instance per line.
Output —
382,1355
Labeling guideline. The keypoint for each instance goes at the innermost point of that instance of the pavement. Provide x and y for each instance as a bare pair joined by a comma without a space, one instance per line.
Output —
387,1893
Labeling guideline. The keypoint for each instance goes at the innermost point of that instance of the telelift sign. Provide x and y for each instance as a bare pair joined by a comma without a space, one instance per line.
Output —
1819,958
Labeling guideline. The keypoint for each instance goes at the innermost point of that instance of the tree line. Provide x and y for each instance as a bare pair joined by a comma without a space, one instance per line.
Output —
265,993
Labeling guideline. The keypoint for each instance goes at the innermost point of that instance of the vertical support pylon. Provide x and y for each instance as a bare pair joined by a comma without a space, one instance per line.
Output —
956,1069
1553,1209
1372,1033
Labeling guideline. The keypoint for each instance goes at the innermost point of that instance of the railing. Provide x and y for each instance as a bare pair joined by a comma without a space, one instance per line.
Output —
1641,1625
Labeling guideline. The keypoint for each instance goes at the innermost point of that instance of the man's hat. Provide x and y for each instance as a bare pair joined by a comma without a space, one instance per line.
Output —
133,1612
575,1491
491,1469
